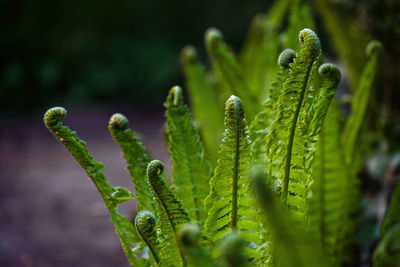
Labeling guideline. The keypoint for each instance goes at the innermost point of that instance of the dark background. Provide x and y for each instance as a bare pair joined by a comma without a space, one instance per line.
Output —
95,58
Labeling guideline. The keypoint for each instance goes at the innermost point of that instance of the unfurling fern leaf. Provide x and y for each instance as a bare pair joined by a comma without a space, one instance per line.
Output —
189,236
229,72
191,171
112,196
293,246
145,225
229,204
260,127
136,157
204,101
170,215
282,133
352,131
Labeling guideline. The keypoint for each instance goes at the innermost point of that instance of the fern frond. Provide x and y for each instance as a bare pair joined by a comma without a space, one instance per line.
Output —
281,136
112,196
300,17
229,72
229,204
261,47
347,38
352,130
333,192
189,236
170,215
204,102
260,126
191,171
292,244
145,225
136,157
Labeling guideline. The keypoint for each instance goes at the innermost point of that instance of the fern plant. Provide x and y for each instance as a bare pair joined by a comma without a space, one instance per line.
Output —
273,180
284,189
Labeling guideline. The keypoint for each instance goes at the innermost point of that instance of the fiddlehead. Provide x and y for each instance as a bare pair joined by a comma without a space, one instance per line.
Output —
286,57
112,196
170,213
135,156
191,171
145,225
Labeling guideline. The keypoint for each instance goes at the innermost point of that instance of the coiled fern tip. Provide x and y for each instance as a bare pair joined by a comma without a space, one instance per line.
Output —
310,41
118,122
54,116
154,169
286,57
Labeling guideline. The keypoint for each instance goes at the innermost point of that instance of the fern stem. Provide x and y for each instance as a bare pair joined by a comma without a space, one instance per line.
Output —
236,166
285,183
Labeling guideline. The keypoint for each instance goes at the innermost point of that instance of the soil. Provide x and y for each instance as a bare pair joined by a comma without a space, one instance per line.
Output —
50,212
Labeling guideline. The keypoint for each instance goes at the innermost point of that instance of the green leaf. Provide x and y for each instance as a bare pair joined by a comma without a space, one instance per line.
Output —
189,236
170,213
352,131
136,157
334,192
145,224
229,72
260,127
229,204
300,17
292,243
112,196
282,134
204,101
347,37
190,170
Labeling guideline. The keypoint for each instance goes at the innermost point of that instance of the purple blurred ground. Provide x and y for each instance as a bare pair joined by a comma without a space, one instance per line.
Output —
50,212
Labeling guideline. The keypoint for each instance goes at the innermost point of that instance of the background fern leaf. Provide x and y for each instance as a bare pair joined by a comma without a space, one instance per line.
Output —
361,98
191,171
204,102
136,157
229,204
332,202
229,72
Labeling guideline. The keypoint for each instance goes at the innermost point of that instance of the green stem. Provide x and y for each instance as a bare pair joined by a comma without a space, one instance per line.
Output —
235,168
285,183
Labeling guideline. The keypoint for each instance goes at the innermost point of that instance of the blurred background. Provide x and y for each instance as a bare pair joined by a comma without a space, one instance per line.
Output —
96,58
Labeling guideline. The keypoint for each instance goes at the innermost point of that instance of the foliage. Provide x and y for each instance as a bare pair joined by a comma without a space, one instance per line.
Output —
283,191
